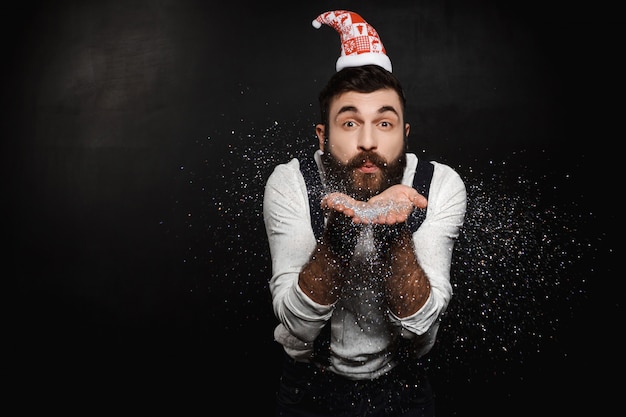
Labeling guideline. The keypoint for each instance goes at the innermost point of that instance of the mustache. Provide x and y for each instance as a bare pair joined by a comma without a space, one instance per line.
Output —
362,157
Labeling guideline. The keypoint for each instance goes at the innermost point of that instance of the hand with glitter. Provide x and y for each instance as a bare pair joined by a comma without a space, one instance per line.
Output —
393,205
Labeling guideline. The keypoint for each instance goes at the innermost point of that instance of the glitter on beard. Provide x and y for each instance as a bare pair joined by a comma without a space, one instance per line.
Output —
349,180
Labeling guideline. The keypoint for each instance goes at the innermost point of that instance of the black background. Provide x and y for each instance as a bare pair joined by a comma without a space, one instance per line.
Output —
137,137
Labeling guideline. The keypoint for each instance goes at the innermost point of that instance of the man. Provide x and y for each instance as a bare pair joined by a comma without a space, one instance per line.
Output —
360,304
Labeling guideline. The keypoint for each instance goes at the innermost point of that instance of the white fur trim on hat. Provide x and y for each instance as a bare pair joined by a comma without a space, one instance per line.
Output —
360,43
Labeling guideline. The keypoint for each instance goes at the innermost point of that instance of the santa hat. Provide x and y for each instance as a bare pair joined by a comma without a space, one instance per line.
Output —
360,43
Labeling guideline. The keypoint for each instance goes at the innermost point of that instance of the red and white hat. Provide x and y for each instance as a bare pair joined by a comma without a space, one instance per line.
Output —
360,43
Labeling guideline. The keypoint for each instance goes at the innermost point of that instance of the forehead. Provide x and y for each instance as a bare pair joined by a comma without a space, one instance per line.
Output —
367,102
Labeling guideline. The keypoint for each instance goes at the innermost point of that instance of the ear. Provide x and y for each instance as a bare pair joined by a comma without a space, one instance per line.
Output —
407,128
320,131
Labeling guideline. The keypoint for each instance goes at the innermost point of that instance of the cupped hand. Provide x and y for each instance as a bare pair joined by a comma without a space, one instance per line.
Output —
393,205
342,203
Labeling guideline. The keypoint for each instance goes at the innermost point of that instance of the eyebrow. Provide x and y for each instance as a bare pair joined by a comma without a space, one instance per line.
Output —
383,109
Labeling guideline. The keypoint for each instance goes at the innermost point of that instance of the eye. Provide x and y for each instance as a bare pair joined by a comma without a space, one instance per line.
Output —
385,124
349,123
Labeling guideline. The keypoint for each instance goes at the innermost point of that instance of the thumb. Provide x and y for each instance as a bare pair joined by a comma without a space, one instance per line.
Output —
419,200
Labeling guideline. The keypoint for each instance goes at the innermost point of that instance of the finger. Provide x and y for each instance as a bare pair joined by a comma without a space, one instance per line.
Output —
392,218
359,220
348,211
419,201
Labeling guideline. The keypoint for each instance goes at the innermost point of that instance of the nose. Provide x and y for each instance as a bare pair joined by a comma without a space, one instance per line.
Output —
367,140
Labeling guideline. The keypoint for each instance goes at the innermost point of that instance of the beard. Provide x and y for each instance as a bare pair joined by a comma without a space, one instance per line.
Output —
347,179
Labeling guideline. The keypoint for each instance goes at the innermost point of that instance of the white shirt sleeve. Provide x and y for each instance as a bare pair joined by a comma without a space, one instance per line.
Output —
434,243
291,241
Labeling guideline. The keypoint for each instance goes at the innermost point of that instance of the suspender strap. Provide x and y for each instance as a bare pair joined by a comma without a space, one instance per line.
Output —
423,176
314,190
421,182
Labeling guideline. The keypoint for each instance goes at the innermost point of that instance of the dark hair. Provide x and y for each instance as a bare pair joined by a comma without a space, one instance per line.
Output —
363,79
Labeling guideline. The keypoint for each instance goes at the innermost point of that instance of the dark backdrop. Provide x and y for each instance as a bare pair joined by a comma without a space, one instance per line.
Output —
137,137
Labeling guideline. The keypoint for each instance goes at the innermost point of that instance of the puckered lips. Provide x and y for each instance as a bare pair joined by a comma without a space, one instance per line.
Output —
368,167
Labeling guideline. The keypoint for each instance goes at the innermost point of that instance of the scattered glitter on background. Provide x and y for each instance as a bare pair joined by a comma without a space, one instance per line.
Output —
516,273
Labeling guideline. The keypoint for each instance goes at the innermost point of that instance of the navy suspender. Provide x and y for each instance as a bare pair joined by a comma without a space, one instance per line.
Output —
315,191
421,182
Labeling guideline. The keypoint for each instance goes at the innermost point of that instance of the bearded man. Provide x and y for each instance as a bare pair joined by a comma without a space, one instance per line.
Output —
360,305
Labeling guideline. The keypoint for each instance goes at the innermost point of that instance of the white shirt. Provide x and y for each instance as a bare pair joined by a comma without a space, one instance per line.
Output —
362,328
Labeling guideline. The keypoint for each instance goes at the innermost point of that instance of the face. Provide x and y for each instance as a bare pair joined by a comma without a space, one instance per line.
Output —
366,140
